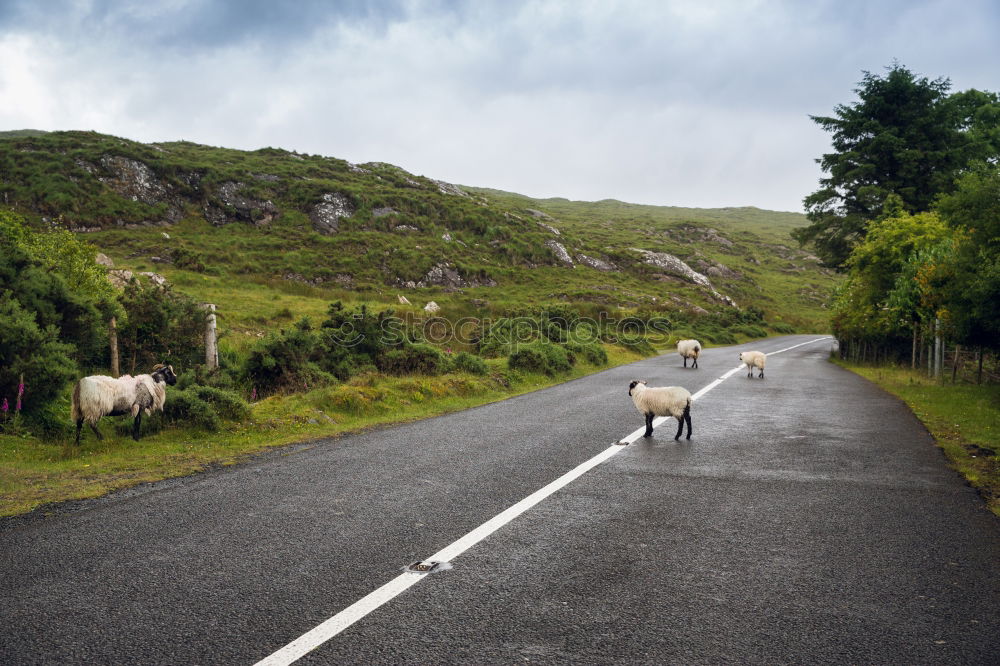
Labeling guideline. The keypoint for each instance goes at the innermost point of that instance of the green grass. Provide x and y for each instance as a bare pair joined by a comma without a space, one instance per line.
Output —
963,418
63,176
34,473
255,276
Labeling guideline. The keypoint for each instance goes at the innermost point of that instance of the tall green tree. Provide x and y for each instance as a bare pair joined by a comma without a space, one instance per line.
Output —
905,136
973,293
882,298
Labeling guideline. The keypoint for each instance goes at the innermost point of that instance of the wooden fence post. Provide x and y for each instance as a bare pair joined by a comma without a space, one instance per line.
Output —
954,365
938,349
113,340
211,343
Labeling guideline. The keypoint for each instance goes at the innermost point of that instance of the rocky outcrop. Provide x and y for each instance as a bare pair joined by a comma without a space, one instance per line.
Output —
671,265
714,269
120,277
549,228
559,250
537,214
448,188
444,275
231,204
332,208
705,235
595,263
133,180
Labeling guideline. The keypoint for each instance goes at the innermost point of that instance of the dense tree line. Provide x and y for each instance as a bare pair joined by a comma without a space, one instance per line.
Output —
906,137
56,304
910,210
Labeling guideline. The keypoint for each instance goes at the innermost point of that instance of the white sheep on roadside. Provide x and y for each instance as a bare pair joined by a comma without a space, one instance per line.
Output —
689,349
98,395
672,401
754,359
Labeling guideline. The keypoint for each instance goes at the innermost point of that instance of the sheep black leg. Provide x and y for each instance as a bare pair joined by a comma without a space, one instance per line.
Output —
79,427
762,373
695,365
680,426
687,417
97,433
649,425
135,426
685,361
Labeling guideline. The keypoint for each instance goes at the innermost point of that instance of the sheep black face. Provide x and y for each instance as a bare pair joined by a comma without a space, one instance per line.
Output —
634,384
165,373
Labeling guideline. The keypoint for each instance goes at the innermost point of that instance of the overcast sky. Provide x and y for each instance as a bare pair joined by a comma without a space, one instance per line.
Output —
699,103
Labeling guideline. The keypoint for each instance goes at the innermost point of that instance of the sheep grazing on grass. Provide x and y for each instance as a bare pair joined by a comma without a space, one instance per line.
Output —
689,349
754,359
672,401
97,396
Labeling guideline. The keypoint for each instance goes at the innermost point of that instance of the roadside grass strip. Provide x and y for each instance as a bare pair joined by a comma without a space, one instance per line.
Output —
359,609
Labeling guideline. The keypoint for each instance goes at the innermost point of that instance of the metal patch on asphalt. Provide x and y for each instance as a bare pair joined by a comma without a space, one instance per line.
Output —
427,566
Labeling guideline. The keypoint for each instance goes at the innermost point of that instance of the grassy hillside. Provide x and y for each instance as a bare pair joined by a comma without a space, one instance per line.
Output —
270,235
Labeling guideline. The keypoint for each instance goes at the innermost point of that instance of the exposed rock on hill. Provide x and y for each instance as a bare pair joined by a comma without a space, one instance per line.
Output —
559,250
326,215
131,179
549,228
448,188
538,214
445,275
716,269
705,235
671,265
231,204
595,263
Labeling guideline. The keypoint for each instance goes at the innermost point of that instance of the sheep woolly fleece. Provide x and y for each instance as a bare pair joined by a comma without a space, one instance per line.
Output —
98,396
661,400
754,359
688,348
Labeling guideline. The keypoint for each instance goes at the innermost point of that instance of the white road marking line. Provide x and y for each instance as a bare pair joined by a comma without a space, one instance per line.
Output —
345,618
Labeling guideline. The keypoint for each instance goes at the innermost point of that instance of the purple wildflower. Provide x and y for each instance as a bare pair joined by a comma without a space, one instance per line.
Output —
4,407
253,395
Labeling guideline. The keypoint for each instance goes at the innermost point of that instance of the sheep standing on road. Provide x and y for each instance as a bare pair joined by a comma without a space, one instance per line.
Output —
98,395
672,401
754,359
689,349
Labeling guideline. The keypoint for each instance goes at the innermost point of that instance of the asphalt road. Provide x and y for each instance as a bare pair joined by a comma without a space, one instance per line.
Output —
810,519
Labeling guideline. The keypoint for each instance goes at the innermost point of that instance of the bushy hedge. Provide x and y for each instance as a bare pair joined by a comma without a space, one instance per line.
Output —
203,407
466,362
543,357
592,351
286,361
752,331
419,358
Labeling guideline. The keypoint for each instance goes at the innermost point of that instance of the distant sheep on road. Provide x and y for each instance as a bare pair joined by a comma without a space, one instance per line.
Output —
754,359
689,349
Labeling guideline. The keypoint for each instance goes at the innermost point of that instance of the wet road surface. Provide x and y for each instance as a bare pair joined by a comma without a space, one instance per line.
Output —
810,519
